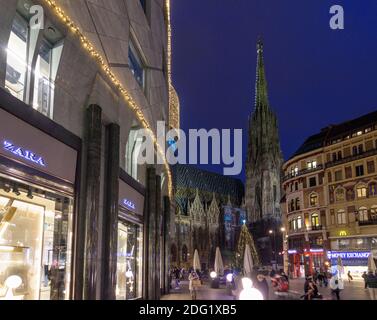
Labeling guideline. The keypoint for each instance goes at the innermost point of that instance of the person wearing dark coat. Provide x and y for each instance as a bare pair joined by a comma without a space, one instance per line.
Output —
262,286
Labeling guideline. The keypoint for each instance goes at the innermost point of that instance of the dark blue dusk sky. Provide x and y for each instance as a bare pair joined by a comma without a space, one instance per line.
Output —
316,76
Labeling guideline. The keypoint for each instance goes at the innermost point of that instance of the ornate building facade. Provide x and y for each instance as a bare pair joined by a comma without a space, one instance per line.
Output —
331,198
209,212
263,166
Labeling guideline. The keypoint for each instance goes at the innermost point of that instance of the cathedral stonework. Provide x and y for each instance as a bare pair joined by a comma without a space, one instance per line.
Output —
264,157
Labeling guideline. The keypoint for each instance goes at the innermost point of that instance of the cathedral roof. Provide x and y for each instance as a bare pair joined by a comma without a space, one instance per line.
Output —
336,132
187,179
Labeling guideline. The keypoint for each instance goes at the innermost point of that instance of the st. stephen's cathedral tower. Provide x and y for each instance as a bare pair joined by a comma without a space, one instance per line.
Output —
264,158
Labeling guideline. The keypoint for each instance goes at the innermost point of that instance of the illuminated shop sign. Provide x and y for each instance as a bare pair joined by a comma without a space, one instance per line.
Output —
316,250
348,255
23,153
292,251
129,204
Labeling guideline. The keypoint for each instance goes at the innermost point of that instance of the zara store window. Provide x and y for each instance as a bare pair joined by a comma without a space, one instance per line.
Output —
33,57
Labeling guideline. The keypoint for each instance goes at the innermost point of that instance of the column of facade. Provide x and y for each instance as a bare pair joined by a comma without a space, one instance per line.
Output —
150,236
158,234
167,244
111,209
92,198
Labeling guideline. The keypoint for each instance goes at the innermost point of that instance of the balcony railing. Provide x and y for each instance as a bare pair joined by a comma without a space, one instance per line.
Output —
368,223
352,158
302,172
316,228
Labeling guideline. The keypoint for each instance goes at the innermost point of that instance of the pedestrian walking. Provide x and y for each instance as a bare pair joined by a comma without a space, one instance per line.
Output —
365,276
372,285
262,285
194,284
350,278
177,278
336,285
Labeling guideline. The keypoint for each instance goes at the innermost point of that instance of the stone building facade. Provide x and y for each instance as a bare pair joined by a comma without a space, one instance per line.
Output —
76,90
209,212
330,204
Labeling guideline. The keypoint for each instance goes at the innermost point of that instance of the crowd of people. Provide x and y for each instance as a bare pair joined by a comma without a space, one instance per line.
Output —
279,282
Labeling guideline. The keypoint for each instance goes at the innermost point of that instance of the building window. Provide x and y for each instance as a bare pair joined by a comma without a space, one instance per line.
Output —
361,191
299,223
338,175
313,200
312,182
341,217
312,164
144,5
348,172
297,203
339,194
133,149
360,149
184,253
359,171
294,171
373,189
296,186
136,65
373,212
363,214
17,61
340,155
371,167
332,218
315,220
292,205
43,86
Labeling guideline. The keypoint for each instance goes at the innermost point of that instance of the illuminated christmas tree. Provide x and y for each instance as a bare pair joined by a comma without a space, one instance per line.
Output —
244,239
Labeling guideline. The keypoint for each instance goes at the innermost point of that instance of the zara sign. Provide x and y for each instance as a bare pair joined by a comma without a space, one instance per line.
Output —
23,153
129,204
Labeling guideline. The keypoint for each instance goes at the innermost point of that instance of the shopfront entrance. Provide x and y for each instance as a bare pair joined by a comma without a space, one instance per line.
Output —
130,242
35,249
37,198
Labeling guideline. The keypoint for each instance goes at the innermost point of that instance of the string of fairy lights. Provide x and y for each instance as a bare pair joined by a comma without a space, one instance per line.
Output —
87,45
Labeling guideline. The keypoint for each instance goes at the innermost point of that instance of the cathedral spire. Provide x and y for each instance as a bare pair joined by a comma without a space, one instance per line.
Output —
261,93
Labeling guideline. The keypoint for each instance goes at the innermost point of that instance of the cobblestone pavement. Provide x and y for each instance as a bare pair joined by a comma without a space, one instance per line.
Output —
352,291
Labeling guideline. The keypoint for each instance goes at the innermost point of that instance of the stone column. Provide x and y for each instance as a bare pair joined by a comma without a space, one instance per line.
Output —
150,235
167,243
159,222
93,167
111,209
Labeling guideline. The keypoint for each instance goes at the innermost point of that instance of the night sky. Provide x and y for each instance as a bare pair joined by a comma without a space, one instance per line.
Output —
316,76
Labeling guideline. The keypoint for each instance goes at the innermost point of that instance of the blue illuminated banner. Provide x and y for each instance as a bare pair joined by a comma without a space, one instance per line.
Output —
129,204
348,255
23,153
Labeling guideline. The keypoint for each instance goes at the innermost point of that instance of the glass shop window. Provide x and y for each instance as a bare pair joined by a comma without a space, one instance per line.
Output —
17,62
35,244
129,262
136,65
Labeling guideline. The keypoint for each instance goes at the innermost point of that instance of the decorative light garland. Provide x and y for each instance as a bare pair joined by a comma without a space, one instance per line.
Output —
86,44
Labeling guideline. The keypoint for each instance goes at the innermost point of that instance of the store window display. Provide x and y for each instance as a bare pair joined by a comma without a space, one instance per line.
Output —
129,265
35,243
